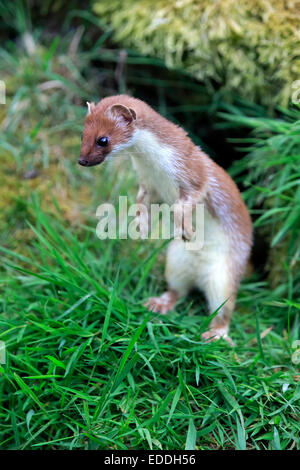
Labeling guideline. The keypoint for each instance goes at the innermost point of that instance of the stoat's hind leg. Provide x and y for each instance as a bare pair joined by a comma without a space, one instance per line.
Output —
219,326
180,277
219,286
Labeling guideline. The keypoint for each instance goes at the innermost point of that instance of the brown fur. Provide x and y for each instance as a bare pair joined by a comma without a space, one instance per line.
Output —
197,167
199,180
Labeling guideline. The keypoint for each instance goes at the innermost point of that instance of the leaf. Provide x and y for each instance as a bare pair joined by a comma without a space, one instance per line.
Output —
174,402
276,441
56,362
29,415
28,391
191,436
241,437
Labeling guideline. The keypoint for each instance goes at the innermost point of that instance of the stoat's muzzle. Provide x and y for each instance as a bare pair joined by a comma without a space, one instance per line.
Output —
91,161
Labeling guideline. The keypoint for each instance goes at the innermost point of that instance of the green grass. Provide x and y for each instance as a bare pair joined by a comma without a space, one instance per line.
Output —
270,173
87,366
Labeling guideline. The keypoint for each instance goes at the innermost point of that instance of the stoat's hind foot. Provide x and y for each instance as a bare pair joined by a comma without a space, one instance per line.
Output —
214,334
162,304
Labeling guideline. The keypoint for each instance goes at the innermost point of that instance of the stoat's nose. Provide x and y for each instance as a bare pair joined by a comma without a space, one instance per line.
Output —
83,162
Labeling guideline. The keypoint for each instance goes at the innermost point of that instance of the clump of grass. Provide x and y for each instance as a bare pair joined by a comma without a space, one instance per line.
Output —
87,367
271,177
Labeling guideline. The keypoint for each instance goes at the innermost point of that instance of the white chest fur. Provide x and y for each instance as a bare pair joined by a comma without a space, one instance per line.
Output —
156,165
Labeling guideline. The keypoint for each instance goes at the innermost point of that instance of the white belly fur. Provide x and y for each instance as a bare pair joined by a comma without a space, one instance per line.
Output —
157,168
207,269
155,165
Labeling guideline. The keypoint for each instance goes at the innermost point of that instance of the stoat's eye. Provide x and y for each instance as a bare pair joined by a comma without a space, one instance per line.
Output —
102,141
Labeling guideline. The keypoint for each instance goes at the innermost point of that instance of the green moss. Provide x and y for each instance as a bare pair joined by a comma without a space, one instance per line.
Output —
249,48
40,125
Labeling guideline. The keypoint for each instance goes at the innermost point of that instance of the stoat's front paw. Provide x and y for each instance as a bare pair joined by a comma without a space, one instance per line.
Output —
213,334
183,226
183,231
142,225
188,232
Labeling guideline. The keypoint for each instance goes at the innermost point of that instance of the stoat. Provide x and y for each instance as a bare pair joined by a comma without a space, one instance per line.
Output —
170,167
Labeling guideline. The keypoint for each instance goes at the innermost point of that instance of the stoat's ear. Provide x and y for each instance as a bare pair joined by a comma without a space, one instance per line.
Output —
91,107
118,111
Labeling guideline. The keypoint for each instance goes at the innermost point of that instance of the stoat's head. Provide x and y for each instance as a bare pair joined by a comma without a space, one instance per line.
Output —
107,130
